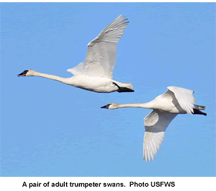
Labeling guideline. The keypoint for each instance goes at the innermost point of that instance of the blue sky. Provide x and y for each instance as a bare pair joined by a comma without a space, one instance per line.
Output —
52,129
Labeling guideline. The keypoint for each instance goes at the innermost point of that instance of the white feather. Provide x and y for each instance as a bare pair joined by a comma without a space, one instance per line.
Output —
175,100
95,73
101,55
185,98
155,123
77,69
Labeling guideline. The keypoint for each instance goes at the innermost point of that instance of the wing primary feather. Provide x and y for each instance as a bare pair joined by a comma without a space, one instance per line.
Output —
184,97
101,54
155,124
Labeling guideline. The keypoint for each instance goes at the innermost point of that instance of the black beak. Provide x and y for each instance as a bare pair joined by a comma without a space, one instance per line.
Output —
23,73
106,106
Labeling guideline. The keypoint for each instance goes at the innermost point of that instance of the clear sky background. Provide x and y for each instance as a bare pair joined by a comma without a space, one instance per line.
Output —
52,129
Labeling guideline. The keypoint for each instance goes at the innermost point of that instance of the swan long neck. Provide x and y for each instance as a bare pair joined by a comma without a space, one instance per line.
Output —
52,77
139,105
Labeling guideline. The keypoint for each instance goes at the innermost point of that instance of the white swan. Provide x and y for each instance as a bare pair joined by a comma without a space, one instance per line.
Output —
165,107
95,74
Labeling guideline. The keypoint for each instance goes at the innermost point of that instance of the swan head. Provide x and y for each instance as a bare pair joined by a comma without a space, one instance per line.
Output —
110,106
26,73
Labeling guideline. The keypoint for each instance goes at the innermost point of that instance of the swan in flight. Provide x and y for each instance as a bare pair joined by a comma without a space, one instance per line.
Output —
165,107
95,73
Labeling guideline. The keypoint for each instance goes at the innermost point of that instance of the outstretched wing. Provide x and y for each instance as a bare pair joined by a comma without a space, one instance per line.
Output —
77,69
101,55
155,123
184,97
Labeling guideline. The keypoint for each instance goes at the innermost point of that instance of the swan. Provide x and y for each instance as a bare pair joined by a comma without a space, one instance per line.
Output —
95,73
175,100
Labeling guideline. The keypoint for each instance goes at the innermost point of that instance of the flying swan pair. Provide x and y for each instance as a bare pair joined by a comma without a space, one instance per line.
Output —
95,74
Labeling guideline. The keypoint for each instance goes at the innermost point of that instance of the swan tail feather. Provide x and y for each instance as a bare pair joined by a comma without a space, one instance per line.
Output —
199,107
